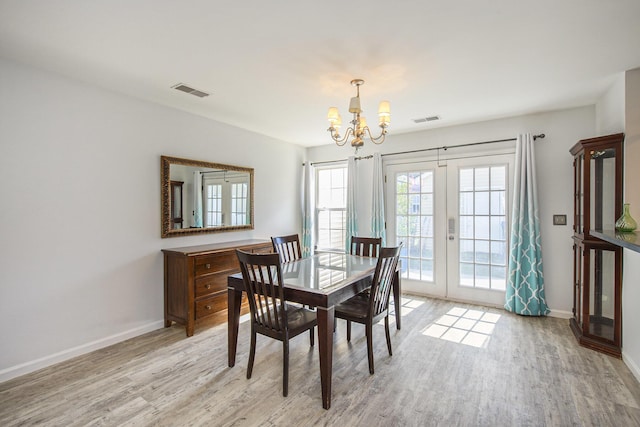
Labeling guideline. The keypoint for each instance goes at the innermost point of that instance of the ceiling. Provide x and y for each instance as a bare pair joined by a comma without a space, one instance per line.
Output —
274,67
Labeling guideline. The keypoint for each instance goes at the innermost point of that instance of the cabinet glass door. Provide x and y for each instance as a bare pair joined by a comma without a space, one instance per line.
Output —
579,194
578,283
603,185
602,293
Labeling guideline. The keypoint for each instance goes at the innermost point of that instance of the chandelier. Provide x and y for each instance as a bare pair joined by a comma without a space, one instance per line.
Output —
358,129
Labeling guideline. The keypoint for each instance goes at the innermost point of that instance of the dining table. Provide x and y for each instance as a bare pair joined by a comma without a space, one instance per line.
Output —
322,281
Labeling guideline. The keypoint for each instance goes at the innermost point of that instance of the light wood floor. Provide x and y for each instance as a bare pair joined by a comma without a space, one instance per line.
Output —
524,372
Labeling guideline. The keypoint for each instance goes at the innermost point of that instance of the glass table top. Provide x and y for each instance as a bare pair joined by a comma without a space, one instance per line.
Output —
327,271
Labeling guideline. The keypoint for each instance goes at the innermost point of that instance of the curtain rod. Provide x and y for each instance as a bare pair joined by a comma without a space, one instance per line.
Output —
370,156
444,147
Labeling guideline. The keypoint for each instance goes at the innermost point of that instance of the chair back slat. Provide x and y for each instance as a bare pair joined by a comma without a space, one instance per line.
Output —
262,276
288,247
383,280
366,246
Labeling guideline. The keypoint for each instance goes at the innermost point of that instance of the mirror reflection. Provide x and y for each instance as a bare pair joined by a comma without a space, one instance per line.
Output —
204,197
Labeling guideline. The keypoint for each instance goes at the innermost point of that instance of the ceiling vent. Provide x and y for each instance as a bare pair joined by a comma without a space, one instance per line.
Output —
187,89
426,119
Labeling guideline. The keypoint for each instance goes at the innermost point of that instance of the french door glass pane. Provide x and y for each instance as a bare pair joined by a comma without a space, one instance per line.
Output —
466,250
499,253
497,202
482,203
426,227
466,203
466,227
482,251
483,227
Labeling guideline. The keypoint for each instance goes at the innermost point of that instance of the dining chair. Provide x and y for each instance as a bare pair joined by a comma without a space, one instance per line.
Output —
366,246
288,247
369,309
270,314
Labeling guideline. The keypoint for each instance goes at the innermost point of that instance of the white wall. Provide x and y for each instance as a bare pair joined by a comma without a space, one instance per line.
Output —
555,179
618,110
80,260
610,108
630,259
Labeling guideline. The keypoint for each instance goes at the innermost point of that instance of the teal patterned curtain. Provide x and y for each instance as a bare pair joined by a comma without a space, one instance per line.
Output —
351,226
525,286
377,205
308,199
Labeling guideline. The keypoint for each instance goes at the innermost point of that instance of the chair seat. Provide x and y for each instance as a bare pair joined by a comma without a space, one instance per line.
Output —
355,308
299,319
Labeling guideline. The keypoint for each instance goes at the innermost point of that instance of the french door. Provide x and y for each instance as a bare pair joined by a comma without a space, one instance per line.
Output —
453,220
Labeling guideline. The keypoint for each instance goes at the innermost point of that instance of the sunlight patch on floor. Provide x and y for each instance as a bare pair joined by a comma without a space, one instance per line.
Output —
407,305
464,326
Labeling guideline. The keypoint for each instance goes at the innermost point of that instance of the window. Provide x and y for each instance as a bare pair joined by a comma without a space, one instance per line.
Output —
331,207
483,227
239,204
213,203
226,201
414,223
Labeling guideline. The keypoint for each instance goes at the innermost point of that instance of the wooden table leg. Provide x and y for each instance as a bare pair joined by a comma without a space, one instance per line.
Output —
396,298
325,347
234,298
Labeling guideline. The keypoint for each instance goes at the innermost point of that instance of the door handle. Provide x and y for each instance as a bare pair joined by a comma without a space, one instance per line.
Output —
452,228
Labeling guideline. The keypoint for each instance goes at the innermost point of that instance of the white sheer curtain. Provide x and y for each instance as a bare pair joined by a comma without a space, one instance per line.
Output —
351,226
525,285
197,200
377,205
308,202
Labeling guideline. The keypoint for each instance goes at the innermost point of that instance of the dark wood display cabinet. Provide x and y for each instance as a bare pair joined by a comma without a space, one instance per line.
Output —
195,281
597,268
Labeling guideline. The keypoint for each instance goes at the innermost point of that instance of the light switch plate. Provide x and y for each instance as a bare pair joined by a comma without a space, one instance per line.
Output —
559,220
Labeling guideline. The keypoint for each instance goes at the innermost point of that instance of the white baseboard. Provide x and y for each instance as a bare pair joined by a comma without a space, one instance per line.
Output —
560,314
633,367
43,362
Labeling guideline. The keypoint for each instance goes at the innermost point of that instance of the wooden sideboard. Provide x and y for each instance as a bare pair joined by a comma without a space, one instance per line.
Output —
195,280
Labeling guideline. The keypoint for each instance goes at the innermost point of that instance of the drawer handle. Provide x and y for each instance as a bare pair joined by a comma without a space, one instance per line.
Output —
207,286
208,307
207,266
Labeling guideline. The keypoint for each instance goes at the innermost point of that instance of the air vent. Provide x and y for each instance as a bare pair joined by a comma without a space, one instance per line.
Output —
426,119
187,89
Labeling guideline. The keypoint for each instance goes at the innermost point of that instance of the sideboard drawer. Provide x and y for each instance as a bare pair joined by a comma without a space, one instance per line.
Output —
211,284
262,250
209,306
226,261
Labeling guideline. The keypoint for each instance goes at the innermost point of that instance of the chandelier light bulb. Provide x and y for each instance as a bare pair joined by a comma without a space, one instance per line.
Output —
333,115
362,123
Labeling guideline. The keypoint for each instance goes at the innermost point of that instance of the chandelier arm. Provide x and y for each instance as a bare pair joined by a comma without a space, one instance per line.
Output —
336,136
380,139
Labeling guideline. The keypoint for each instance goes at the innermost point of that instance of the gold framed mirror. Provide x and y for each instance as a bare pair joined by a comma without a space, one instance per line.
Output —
212,197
